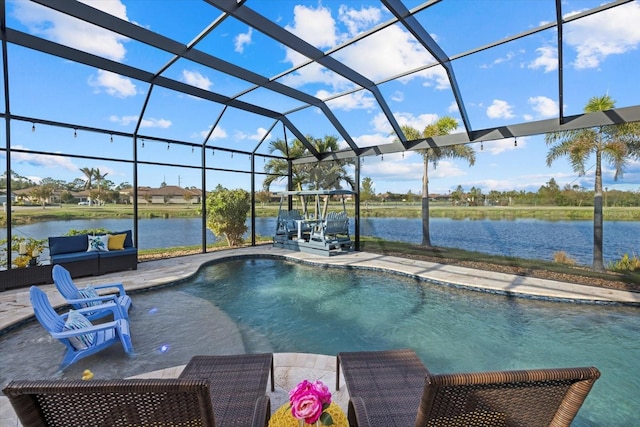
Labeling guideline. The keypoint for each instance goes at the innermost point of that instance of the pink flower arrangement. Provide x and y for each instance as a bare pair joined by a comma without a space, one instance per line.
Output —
308,402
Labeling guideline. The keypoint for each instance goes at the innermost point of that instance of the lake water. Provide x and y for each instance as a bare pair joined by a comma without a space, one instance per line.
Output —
522,238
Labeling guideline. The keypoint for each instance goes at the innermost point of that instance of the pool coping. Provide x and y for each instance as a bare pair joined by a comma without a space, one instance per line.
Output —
15,307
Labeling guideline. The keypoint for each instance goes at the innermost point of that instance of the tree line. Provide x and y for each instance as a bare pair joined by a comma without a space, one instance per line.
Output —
549,194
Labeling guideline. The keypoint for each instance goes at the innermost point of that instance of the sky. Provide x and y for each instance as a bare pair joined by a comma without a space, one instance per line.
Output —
513,83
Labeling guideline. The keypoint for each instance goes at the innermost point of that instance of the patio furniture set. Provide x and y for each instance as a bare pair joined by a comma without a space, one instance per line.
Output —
386,388
89,255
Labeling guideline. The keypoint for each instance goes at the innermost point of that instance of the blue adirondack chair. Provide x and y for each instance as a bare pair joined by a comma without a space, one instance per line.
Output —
104,334
71,293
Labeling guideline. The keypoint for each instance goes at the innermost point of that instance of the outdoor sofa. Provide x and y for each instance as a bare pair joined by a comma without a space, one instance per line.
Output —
92,255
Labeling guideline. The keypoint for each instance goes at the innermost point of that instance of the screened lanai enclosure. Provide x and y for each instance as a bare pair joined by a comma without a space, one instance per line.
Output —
158,103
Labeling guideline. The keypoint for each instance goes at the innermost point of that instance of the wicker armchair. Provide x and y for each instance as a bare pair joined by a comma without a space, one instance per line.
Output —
213,390
134,402
383,393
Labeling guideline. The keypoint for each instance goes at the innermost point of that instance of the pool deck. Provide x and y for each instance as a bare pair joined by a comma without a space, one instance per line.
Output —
290,368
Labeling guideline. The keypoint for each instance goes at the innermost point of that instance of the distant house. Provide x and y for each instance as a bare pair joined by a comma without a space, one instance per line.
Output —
439,197
24,196
3,197
169,194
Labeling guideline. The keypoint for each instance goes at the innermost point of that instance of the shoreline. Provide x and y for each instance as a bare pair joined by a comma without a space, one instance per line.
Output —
24,215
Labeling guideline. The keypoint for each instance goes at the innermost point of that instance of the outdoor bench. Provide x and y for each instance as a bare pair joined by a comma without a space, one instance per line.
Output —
89,255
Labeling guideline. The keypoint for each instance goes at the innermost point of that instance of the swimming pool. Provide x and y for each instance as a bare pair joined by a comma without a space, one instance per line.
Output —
253,305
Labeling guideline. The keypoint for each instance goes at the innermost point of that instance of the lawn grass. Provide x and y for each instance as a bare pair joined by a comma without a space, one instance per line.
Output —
628,280
26,215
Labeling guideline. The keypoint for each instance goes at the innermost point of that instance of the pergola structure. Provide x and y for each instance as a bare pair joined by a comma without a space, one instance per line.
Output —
272,93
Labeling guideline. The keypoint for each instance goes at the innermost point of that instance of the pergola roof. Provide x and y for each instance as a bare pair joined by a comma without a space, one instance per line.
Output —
272,95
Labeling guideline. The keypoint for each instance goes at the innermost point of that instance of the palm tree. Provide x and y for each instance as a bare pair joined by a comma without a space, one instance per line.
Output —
328,175
433,155
89,174
616,144
99,177
277,169
314,176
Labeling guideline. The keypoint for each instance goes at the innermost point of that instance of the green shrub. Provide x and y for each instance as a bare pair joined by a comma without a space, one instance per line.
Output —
94,231
626,263
562,257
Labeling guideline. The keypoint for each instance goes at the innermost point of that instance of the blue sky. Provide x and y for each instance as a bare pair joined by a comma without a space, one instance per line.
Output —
512,83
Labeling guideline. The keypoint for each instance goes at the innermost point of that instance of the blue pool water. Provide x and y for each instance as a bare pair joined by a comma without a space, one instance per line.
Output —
281,306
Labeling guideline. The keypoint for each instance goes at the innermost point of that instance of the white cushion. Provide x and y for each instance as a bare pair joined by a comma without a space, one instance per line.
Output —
76,321
89,292
98,243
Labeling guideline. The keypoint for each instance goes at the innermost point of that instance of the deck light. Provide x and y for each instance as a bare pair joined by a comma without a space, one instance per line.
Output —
75,133
111,138
515,142
33,127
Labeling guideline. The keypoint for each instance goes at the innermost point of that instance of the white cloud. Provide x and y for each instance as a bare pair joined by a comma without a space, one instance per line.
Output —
351,101
392,167
316,73
218,133
155,123
145,123
417,122
359,20
509,56
595,37
41,160
113,84
315,26
544,107
453,107
196,79
500,110
502,145
371,140
397,96
381,124
446,169
400,50
72,32
257,136
547,59
243,39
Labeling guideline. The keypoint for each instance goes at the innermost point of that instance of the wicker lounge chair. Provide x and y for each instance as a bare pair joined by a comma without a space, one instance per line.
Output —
238,386
383,392
71,293
212,391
